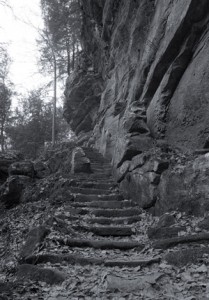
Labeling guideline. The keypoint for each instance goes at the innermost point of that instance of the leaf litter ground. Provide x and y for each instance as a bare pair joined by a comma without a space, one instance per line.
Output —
157,281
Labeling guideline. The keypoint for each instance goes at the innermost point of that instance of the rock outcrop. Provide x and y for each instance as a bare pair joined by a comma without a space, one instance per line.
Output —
6,160
143,97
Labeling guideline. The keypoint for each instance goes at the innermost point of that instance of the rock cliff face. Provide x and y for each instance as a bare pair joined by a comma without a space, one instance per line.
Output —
144,97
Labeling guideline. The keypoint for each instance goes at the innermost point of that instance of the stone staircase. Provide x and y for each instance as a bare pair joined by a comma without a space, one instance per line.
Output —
103,219
102,246
105,212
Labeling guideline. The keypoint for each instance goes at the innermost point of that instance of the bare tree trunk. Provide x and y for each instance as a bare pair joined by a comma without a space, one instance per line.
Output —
77,53
2,138
68,58
54,102
73,64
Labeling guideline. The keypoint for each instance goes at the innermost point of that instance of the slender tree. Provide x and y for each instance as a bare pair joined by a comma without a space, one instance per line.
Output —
48,61
59,42
5,93
63,20
5,103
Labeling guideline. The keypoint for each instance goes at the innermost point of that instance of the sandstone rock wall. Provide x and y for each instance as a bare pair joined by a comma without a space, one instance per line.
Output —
151,60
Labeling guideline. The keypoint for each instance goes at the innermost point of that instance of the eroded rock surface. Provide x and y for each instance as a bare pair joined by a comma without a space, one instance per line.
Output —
151,58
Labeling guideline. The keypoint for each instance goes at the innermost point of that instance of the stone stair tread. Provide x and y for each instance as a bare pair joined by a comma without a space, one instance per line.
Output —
91,191
96,178
110,230
115,212
115,220
92,177
131,263
105,204
58,258
93,197
101,244
82,260
101,166
94,184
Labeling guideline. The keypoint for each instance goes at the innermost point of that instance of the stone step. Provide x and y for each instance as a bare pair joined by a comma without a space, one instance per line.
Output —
90,191
101,172
132,263
111,213
94,184
81,260
94,177
90,198
100,244
101,165
109,230
105,204
101,177
116,221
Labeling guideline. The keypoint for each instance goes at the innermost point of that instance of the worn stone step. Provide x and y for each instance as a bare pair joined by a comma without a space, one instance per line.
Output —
102,173
100,244
93,177
105,204
99,165
111,230
132,263
90,198
81,260
94,184
101,177
110,213
90,191
116,221
102,164
98,161
58,258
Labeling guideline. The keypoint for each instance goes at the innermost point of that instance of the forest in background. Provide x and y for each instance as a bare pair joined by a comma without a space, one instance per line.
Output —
36,123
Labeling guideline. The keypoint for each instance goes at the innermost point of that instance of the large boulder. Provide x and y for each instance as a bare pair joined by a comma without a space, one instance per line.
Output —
25,168
80,163
139,178
83,94
35,238
6,160
185,187
11,190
